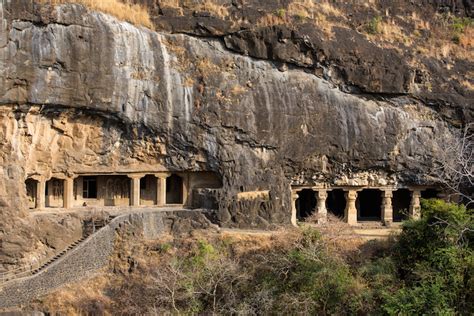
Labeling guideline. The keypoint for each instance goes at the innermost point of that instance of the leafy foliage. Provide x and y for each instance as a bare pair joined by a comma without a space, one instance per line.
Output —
435,258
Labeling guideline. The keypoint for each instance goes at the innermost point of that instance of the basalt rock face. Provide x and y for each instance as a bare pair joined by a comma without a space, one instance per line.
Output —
81,91
338,54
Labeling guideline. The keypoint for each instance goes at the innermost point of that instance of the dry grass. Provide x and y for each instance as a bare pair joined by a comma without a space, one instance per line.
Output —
322,14
213,8
466,40
391,32
133,13
209,6
311,9
206,67
468,85
272,19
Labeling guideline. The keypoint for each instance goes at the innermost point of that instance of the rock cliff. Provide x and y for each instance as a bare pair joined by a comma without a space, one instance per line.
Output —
263,108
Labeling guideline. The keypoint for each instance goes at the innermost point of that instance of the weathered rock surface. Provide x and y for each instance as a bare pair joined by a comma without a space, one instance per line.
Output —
80,91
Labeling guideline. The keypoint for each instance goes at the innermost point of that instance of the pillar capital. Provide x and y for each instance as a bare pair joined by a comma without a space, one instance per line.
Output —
294,195
416,193
322,194
351,194
136,175
36,177
162,175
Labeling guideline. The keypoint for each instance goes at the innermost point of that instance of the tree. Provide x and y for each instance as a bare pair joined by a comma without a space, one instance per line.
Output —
455,164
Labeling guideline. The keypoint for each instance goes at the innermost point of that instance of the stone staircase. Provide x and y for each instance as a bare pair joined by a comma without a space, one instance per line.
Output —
58,256
90,228
86,257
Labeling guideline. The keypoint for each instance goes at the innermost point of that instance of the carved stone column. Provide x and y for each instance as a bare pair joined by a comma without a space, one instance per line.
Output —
41,193
387,209
186,189
134,190
68,193
415,207
322,212
294,197
350,213
161,190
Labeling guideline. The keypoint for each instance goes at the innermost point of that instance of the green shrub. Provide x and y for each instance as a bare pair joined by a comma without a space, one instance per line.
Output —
435,259
425,298
373,26
458,26
281,13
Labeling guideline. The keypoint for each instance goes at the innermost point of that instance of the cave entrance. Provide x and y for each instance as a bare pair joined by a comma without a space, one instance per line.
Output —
306,204
429,194
369,205
401,204
54,193
174,189
148,190
336,202
31,189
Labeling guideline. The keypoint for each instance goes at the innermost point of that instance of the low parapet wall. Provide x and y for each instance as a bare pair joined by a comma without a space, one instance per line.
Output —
93,254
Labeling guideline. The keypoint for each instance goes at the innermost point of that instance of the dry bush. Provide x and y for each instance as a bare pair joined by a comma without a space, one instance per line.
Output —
83,298
207,68
133,13
455,163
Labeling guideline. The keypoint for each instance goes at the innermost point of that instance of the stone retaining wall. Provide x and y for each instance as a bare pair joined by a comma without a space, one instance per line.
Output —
93,254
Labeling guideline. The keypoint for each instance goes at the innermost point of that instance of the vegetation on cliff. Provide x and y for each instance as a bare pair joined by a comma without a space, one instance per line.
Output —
428,269
123,10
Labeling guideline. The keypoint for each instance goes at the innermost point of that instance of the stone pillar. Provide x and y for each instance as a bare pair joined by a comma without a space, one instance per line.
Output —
415,207
161,190
68,193
294,197
41,194
322,212
387,210
350,213
134,190
186,190
50,193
